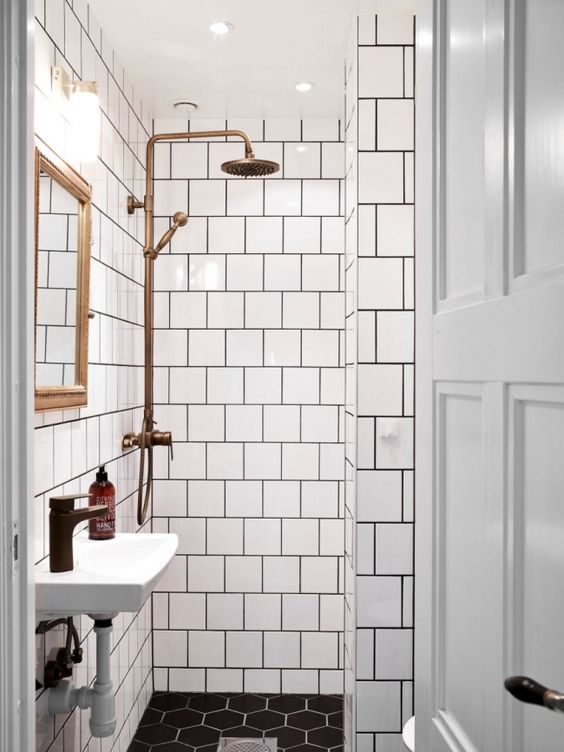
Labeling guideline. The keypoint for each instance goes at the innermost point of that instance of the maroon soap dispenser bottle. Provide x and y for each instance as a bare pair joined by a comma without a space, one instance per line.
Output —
102,492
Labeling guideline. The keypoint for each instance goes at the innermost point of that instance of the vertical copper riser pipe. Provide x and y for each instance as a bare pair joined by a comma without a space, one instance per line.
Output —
148,291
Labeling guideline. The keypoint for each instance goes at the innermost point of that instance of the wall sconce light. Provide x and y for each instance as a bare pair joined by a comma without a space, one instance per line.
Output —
84,113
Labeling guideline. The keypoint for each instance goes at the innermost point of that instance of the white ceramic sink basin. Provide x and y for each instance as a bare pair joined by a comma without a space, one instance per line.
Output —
108,576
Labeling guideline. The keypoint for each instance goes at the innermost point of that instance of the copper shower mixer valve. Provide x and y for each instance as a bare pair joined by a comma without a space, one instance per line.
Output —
147,439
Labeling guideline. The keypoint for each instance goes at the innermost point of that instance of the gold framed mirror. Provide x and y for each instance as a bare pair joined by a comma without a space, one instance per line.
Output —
62,274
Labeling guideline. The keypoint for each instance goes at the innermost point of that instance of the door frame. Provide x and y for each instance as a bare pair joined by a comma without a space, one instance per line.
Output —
425,187
17,597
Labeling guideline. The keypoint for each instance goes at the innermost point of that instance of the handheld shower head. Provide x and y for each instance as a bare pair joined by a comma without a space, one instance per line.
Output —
178,220
250,167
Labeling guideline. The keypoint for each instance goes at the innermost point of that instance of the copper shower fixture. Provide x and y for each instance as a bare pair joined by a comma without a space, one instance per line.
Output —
249,166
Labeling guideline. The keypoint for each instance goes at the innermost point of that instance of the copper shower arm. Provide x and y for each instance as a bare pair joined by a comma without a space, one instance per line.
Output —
202,134
148,201
181,136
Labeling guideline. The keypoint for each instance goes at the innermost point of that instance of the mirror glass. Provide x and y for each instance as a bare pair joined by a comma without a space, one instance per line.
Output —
62,263
57,278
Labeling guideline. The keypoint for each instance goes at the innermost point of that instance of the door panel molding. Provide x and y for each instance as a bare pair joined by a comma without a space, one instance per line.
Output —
519,277
464,349
447,300
516,660
447,397
484,555
449,732
493,251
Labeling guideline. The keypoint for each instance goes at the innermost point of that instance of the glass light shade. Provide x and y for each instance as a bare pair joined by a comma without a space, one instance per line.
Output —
85,121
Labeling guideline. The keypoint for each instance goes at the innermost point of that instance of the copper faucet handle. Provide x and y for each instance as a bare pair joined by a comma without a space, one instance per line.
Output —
65,503
162,438
87,513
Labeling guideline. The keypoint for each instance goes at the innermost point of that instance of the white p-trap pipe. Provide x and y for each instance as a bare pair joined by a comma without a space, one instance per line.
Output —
65,697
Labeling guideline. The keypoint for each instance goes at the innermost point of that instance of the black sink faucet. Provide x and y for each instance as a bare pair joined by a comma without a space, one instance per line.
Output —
63,518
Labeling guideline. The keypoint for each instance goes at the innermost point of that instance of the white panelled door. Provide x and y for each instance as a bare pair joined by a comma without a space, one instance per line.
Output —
490,361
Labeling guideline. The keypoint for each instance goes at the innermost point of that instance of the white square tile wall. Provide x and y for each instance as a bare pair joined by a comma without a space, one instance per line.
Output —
252,350
70,444
254,335
379,356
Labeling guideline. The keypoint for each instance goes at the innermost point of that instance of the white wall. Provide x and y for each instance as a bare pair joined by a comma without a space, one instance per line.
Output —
379,375
70,444
249,354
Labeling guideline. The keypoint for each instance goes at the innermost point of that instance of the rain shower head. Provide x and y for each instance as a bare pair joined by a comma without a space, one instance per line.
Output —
250,167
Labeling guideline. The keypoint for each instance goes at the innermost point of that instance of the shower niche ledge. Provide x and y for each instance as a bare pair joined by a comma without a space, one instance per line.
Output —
109,576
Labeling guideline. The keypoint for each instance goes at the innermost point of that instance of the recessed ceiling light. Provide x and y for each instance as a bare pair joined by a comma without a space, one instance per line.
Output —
183,105
221,27
304,86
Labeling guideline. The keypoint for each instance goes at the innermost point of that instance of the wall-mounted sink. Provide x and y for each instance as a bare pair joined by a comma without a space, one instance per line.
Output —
108,576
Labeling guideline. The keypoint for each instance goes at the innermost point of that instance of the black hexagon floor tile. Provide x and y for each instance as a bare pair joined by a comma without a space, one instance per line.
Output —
301,723
306,719
224,719
325,737
168,701
264,719
136,746
156,733
336,720
243,731
207,703
247,703
288,737
151,716
199,736
325,704
183,718
287,703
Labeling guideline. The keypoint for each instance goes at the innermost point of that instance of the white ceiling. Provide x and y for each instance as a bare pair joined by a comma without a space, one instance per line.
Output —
170,54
